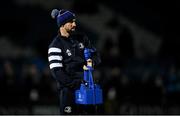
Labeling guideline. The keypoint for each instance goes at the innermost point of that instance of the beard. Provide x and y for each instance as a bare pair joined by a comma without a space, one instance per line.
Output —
72,30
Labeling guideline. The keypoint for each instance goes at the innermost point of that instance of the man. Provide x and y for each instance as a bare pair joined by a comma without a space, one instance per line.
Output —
66,59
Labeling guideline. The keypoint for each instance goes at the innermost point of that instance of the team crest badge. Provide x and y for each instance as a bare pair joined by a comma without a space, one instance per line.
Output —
68,109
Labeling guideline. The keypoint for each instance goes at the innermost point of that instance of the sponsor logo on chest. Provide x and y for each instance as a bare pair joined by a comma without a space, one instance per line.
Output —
68,52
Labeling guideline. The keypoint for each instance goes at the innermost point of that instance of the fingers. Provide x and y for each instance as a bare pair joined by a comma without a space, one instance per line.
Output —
89,60
85,67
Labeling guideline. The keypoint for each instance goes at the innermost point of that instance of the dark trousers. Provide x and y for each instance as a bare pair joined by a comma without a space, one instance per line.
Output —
67,102
68,105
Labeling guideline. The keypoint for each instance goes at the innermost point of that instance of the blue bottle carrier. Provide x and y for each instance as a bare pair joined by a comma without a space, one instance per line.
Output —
90,93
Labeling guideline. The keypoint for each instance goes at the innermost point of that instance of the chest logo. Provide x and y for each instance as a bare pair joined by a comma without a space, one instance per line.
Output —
68,52
81,46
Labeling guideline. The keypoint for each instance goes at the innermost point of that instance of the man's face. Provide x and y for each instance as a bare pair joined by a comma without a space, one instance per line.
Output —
70,26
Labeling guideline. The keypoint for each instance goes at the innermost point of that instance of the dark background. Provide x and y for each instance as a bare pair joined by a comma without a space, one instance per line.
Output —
138,42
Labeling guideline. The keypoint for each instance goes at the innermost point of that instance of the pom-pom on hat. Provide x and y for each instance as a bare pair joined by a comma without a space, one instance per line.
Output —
62,16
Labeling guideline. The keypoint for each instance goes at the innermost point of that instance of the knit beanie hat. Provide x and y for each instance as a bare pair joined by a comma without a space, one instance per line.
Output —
62,16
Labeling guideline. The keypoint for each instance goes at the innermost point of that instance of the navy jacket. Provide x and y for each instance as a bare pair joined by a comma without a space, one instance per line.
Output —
66,59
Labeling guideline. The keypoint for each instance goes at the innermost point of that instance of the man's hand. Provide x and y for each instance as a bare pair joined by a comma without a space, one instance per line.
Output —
85,67
89,62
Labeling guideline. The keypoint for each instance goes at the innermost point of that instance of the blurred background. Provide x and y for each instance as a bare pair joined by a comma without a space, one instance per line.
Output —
138,42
